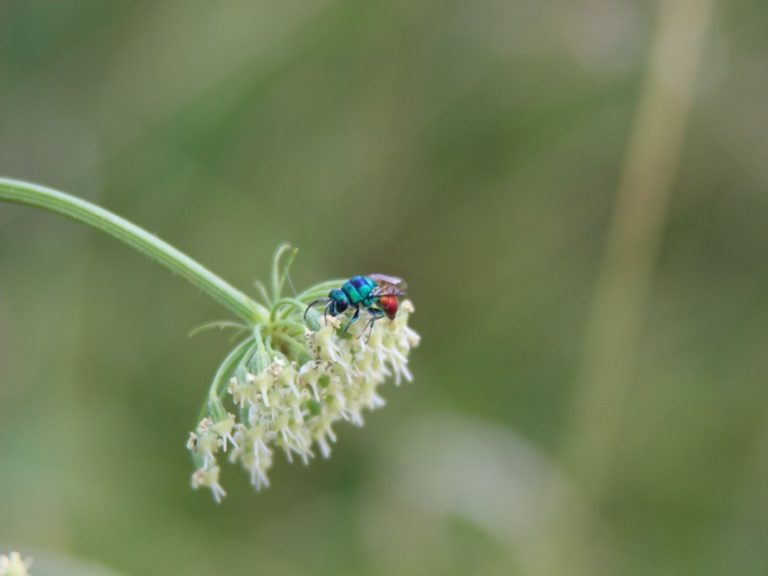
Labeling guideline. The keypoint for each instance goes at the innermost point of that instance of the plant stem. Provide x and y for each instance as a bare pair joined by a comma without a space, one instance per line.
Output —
150,245
570,540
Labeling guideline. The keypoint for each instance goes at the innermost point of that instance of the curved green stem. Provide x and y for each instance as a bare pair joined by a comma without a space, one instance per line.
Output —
320,290
228,367
148,244
298,304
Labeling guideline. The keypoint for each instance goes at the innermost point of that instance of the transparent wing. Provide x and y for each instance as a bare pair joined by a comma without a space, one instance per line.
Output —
386,279
388,285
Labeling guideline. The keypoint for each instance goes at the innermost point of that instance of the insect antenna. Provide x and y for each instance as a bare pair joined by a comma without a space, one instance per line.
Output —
315,303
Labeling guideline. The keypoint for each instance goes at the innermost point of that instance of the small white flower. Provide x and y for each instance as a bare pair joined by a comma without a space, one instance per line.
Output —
209,477
14,565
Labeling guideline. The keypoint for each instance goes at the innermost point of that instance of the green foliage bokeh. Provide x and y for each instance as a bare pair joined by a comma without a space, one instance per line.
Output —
471,148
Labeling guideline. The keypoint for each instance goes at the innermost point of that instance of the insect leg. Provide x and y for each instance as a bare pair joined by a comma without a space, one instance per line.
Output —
375,315
354,318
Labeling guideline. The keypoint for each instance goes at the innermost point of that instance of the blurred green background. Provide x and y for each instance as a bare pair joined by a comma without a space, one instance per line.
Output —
474,148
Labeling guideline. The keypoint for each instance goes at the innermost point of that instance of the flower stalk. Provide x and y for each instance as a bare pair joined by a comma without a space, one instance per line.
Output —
148,244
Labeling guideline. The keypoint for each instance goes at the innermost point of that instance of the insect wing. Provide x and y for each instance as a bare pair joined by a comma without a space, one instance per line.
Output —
389,285
386,279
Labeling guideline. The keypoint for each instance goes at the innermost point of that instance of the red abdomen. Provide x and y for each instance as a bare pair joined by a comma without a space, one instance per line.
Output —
389,305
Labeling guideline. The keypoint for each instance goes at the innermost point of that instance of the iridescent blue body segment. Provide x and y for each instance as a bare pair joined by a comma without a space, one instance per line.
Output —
358,289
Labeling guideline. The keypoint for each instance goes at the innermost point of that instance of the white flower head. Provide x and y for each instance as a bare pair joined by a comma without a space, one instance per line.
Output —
289,385
14,565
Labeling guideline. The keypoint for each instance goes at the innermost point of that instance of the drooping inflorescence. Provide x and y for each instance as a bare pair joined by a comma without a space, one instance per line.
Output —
294,375
287,384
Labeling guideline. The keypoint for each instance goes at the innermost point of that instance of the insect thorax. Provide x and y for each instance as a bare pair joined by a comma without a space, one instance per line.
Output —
358,289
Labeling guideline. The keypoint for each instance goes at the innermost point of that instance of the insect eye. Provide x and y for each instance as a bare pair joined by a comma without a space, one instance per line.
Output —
341,305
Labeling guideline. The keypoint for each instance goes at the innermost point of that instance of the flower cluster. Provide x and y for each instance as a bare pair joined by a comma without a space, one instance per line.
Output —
291,398
14,565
